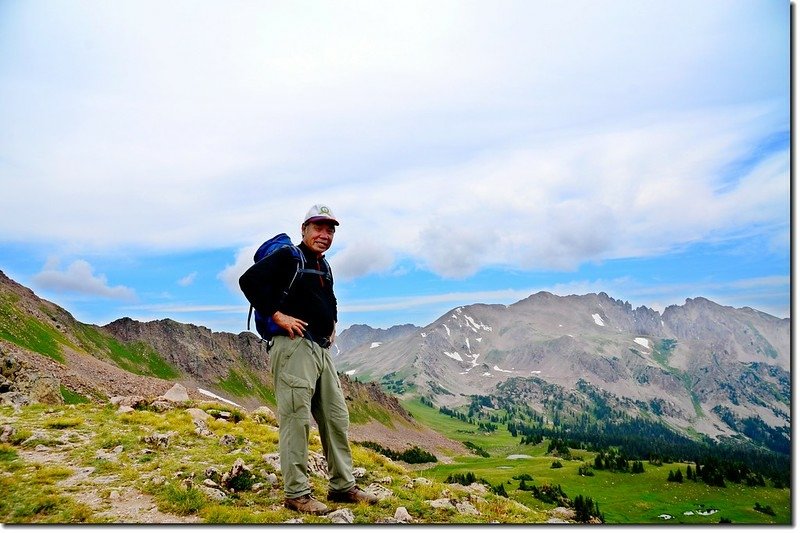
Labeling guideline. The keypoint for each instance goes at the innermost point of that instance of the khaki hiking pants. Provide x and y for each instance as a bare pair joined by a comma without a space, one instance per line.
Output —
306,385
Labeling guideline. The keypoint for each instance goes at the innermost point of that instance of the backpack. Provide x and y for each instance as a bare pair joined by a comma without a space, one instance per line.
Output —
265,326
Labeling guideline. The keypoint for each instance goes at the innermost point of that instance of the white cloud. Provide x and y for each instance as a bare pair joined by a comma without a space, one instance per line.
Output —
527,134
360,258
231,273
187,279
79,278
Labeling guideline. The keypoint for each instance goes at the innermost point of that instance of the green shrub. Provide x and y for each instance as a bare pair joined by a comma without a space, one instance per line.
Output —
8,453
182,500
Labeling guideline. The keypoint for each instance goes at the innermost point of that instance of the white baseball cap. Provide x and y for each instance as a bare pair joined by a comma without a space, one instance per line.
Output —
320,212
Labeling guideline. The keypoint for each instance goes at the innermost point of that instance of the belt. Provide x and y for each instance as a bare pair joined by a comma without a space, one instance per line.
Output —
324,342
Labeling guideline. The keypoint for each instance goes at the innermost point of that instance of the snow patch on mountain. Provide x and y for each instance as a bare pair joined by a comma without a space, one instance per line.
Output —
642,341
454,355
471,322
375,344
598,320
498,369
216,397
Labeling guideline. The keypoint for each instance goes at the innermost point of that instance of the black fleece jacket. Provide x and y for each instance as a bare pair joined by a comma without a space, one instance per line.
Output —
311,298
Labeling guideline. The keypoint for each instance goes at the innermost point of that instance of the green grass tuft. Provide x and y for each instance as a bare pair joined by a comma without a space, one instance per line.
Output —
71,397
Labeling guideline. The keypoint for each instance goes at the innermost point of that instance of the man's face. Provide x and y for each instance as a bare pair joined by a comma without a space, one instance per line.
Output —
318,236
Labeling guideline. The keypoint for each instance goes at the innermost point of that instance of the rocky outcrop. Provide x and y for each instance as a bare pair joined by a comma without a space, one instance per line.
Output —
195,350
22,385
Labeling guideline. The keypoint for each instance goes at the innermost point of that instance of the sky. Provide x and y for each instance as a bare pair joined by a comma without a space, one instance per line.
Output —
474,151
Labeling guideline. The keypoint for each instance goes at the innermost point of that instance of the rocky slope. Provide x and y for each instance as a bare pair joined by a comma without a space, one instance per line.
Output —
128,357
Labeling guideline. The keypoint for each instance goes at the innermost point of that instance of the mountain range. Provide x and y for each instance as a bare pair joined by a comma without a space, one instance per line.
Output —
699,367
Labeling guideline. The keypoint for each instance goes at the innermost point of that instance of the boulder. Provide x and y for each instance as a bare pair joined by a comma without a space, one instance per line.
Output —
6,432
342,516
379,491
214,494
176,394
10,367
265,415
401,514
15,399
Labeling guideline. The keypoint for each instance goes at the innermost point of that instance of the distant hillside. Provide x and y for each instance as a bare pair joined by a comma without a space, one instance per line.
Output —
360,334
698,367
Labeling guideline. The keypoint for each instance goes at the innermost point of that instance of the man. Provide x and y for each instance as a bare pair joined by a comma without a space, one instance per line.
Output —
306,382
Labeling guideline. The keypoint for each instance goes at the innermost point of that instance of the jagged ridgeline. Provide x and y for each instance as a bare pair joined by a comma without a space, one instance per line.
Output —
695,377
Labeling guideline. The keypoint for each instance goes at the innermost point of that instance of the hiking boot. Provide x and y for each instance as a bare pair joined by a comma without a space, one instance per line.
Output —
305,504
352,495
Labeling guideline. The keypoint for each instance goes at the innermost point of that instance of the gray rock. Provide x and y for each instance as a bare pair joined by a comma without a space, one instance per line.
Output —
441,503
213,493
467,508
199,415
161,406
201,429
341,516
240,475
317,465
46,389
228,441
272,459
177,394
6,432
129,401
265,415
379,491
15,399
401,514
10,367
160,440
213,474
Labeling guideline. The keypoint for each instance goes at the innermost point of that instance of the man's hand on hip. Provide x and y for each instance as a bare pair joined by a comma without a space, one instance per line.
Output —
294,326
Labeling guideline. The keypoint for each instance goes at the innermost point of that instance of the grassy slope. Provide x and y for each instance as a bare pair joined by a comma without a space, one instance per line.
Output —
32,492
45,338
623,498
